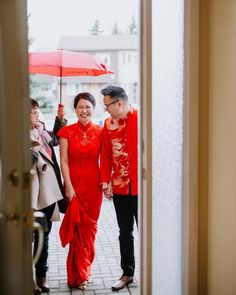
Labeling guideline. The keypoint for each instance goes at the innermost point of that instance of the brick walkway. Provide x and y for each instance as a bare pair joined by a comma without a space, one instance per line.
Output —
105,269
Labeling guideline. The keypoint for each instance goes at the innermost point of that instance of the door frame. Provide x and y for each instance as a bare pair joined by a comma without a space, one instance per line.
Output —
13,53
145,144
190,219
15,194
191,147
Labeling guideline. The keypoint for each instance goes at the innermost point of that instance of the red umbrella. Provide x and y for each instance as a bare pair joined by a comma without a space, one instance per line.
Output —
63,63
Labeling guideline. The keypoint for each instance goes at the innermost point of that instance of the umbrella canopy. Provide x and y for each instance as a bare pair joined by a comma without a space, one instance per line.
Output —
63,63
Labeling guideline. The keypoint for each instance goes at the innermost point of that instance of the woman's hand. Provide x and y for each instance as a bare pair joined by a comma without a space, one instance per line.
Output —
70,193
61,112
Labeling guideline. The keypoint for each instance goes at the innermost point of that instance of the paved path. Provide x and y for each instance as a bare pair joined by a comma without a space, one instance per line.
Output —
105,269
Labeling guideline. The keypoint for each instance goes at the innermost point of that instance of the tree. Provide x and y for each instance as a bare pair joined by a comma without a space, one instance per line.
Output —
95,29
132,26
115,30
30,38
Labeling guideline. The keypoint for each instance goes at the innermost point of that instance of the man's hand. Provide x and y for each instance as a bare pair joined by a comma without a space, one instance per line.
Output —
107,189
61,112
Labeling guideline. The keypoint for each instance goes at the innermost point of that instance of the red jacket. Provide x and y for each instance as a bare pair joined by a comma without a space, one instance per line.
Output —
119,156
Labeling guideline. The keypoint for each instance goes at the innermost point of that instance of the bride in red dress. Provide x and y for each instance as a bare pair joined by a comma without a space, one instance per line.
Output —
80,146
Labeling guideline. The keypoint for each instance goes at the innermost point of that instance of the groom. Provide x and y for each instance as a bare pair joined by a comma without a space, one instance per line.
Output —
119,173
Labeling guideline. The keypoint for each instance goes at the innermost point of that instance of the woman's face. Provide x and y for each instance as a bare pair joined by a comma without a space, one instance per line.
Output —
34,117
84,111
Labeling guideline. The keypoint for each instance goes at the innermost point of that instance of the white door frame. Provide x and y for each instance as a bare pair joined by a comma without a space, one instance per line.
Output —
190,148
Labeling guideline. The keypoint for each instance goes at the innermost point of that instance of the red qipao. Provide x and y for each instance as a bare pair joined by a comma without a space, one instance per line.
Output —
79,226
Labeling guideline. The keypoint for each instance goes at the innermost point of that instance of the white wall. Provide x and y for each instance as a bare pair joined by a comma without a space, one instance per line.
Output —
128,71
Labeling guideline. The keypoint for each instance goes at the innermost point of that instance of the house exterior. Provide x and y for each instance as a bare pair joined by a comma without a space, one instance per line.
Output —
118,52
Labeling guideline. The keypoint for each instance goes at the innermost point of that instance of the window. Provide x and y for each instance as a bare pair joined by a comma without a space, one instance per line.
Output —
124,58
129,58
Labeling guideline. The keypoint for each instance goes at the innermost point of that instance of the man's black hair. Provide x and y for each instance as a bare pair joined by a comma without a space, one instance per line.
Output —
115,92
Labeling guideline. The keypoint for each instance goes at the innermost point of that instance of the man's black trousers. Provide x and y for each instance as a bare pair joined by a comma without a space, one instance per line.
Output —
126,208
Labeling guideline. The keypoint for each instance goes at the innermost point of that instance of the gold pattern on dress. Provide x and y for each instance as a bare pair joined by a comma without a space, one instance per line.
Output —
84,133
87,137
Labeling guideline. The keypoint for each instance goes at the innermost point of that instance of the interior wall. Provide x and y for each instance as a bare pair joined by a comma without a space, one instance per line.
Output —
222,149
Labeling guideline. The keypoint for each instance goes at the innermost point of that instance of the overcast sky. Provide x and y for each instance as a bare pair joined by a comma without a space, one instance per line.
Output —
51,19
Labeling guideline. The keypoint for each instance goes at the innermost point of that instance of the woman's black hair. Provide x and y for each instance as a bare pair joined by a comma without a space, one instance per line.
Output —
84,95
34,103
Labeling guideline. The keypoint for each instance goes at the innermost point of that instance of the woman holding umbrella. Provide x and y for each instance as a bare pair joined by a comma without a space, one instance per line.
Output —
80,146
47,189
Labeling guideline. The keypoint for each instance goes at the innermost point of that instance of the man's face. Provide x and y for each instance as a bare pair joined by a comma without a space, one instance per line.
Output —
34,116
113,106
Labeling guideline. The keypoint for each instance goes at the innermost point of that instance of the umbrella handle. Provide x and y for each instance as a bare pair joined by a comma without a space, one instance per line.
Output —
60,87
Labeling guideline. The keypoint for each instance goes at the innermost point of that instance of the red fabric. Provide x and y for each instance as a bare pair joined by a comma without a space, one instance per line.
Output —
79,225
63,63
119,157
79,230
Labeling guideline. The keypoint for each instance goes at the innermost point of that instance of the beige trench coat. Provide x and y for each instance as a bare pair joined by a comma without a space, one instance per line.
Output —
45,188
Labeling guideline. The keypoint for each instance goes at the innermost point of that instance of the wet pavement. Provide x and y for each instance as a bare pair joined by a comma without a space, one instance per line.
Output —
106,266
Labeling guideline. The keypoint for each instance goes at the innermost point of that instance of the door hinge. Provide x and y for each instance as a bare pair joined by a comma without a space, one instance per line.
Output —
14,217
13,177
27,178
2,218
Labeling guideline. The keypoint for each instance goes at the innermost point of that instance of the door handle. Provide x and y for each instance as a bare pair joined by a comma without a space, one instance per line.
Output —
39,225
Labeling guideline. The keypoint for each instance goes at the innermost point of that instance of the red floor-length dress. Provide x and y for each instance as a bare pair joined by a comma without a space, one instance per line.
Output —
79,225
